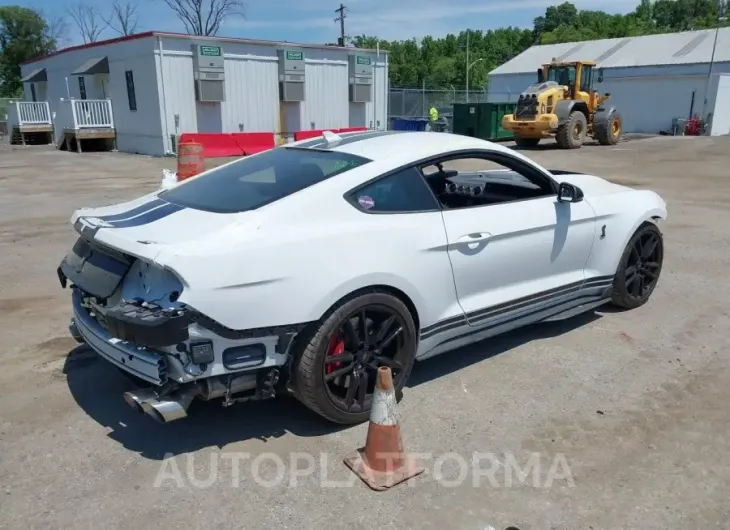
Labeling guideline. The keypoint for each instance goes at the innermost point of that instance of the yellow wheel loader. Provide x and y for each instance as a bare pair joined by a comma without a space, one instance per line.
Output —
562,104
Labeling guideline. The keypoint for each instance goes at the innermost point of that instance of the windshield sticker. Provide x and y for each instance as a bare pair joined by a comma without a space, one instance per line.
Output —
366,202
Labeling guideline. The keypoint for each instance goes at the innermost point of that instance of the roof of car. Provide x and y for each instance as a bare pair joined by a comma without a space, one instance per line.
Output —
377,145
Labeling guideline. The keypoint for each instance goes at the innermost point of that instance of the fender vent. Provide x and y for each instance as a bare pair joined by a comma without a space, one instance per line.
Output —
613,49
691,45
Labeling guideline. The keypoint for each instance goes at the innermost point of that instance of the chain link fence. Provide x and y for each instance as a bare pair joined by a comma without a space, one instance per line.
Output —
416,102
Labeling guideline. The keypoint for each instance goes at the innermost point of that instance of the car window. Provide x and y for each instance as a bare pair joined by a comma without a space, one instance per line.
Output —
252,182
404,191
468,181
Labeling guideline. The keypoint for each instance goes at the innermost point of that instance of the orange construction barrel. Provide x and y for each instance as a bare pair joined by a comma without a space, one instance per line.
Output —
190,161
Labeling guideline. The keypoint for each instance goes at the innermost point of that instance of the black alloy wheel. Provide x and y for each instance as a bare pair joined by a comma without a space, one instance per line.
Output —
365,341
641,265
336,373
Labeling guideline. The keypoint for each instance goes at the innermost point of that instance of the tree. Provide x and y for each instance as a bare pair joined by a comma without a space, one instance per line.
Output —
88,20
123,17
441,62
204,17
57,28
24,35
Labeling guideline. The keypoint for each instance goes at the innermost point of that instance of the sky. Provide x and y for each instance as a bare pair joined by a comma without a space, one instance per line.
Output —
312,21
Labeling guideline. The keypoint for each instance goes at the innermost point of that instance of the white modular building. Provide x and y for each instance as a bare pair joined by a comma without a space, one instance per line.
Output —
653,80
151,87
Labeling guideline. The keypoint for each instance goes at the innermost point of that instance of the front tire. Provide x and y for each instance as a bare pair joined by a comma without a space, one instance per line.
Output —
609,131
572,133
336,365
639,268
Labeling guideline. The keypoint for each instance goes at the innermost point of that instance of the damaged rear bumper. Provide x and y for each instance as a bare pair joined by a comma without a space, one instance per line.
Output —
143,363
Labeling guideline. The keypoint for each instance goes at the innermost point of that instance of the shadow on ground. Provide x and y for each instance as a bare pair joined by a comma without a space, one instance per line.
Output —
97,387
450,362
549,144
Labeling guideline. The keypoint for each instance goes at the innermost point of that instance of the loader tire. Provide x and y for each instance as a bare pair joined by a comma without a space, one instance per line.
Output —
572,133
609,131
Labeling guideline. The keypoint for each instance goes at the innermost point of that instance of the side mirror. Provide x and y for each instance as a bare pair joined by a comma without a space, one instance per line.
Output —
569,193
540,76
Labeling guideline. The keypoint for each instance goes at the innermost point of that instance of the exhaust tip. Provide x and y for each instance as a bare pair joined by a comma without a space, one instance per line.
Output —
133,401
153,413
164,410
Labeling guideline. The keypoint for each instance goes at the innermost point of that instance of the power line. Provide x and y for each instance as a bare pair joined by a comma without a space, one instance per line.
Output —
341,20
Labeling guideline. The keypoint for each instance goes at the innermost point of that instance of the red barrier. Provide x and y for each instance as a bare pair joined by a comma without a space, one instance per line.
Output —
306,135
214,144
231,144
240,144
254,142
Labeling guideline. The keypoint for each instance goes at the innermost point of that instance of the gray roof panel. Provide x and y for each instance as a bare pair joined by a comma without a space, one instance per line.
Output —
688,47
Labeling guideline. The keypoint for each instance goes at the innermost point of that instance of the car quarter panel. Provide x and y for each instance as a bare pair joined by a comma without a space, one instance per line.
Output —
618,216
304,257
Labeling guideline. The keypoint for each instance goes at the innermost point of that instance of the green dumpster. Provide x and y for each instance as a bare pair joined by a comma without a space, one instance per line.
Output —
482,120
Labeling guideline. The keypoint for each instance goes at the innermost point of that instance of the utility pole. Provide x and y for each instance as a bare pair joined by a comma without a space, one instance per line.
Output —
720,20
341,20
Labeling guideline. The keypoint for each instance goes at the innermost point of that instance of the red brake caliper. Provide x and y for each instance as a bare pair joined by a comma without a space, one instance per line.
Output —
337,347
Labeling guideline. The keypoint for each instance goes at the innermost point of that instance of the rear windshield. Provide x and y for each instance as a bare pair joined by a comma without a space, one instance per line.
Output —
252,182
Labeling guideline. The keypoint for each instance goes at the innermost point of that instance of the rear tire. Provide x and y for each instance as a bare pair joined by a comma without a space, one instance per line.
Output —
315,355
608,132
572,133
640,267
526,142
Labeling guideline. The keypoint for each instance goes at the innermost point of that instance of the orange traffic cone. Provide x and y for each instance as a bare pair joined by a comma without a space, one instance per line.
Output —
383,463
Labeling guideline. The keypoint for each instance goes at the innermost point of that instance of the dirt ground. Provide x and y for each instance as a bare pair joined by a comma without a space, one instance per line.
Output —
623,417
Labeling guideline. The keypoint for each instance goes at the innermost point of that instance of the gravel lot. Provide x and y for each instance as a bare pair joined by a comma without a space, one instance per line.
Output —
631,407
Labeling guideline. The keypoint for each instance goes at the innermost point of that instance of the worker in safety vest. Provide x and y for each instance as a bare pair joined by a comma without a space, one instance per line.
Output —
433,114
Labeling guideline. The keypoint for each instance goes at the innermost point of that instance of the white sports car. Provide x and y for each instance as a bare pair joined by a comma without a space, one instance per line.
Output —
306,267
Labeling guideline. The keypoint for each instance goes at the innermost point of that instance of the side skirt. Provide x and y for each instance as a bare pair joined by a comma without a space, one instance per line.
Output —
577,310
582,302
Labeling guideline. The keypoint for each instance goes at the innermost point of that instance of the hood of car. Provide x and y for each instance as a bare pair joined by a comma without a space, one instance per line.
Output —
590,184
143,226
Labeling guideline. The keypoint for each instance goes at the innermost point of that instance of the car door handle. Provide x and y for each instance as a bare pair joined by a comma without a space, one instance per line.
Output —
474,237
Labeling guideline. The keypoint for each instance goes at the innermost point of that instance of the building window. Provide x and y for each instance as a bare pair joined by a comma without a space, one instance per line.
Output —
32,92
82,87
131,96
